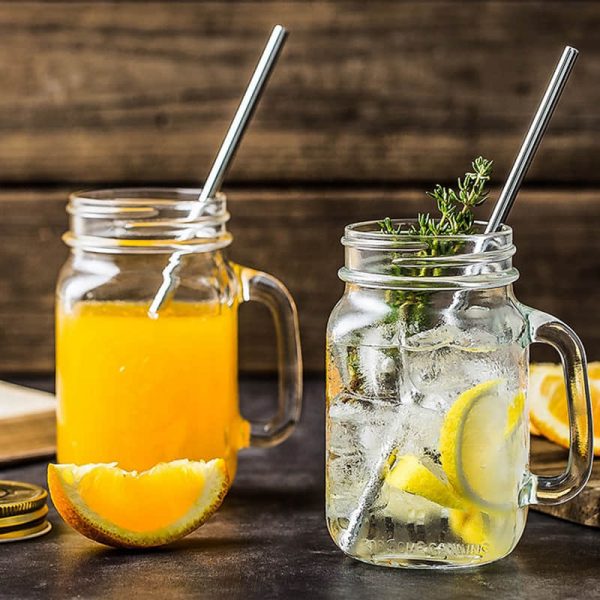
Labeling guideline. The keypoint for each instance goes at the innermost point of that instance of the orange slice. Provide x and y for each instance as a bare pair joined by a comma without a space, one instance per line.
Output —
548,402
138,510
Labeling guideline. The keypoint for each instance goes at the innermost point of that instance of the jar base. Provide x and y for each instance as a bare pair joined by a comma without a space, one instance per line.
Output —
412,562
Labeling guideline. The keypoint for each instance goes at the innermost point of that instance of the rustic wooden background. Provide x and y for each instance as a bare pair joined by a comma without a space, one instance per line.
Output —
371,103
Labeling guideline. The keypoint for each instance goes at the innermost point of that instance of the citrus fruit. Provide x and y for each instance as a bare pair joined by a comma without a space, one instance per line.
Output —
410,475
469,525
138,510
548,402
476,443
515,414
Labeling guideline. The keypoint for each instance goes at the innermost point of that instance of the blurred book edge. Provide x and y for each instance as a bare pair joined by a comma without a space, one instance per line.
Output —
27,423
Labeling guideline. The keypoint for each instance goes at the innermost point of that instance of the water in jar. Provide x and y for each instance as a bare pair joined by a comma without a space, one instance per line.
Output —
427,446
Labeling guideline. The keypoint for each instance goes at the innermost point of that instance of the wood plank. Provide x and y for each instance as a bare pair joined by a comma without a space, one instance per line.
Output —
378,91
550,459
294,234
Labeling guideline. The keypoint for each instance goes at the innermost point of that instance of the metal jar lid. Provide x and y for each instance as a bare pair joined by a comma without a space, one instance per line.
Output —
23,511
17,498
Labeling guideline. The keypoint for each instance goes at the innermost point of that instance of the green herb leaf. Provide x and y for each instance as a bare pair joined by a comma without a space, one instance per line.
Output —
455,208
456,218
387,226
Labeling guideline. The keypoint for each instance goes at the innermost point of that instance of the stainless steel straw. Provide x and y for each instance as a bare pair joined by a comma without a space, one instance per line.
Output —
230,144
502,208
533,138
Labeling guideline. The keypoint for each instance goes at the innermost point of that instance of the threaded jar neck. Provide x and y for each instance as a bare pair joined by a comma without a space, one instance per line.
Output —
147,220
408,261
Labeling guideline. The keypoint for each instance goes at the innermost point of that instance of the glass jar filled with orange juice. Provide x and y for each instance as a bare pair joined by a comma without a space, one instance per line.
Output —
140,385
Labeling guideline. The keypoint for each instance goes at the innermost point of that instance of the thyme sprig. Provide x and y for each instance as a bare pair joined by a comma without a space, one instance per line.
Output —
456,218
412,307
456,208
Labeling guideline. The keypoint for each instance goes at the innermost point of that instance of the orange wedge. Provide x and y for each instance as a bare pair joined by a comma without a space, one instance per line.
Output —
548,402
138,510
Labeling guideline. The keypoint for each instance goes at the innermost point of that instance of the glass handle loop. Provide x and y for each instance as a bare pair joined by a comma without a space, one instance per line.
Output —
269,291
557,489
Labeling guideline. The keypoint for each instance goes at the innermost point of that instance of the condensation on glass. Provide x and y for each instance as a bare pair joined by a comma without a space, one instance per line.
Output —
427,421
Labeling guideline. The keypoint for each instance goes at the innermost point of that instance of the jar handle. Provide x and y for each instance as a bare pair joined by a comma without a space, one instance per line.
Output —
560,488
269,291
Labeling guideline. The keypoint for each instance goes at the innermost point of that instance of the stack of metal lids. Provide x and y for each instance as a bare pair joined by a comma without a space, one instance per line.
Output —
23,511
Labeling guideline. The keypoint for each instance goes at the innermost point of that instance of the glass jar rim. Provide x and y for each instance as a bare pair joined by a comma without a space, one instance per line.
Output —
147,219
368,234
408,261
183,197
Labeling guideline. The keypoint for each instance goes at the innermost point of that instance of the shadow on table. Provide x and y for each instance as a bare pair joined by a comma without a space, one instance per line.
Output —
356,579
180,569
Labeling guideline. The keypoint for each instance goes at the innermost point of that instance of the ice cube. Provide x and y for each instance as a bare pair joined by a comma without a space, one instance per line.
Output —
437,375
418,431
436,337
344,424
445,361
378,364
380,371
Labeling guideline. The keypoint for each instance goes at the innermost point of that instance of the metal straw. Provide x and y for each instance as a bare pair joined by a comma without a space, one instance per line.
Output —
230,144
532,139
505,201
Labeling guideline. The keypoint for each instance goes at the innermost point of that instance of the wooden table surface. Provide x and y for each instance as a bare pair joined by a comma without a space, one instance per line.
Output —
269,540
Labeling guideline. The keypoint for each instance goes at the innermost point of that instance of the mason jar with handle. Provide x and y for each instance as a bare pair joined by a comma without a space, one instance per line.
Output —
138,387
427,416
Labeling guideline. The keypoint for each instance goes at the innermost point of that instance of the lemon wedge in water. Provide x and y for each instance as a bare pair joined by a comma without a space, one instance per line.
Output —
410,475
469,525
475,446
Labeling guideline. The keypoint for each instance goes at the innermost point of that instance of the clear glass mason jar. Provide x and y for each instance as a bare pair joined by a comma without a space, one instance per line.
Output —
140,386
427,420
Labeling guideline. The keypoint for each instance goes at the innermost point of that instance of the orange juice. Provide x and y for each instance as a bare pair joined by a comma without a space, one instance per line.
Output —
139,391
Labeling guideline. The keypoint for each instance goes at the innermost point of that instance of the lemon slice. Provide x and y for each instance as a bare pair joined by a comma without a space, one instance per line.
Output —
515,414
469,525
410,475
548,402
474,447
138,510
